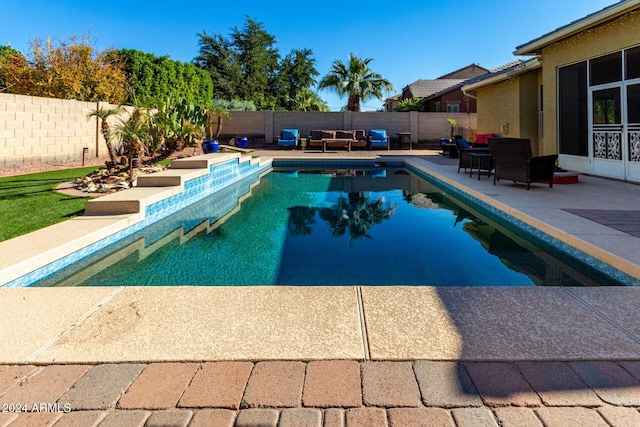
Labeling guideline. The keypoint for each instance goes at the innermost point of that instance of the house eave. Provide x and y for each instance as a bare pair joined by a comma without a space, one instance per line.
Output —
535,47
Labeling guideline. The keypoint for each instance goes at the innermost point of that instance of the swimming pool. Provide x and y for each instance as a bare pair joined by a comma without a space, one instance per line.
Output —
328,225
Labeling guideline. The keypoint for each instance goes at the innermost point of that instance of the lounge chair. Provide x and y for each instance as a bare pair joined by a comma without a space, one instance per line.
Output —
514,161
464,153
289,138
378,139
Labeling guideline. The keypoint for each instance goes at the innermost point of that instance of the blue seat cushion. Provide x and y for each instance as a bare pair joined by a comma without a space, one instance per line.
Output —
289,133
378,134
463,144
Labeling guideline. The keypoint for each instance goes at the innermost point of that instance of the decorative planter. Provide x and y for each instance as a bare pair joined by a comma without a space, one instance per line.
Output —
210,146
242,142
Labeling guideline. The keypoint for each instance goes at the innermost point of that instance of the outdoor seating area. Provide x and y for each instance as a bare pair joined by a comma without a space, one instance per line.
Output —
505,158
513,160
465,152
336,139
348,139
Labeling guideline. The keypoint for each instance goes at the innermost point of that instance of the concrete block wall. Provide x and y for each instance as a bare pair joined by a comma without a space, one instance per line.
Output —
436,125
423,126
47,130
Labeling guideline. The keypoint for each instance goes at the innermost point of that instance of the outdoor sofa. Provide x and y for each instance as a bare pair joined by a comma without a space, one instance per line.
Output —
337,138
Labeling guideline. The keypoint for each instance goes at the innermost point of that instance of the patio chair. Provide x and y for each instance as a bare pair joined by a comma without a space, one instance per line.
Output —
289,138
514,161
360,139
464,152
378,139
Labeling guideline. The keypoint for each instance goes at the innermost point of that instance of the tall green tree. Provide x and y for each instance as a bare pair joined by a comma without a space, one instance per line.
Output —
247,65
356,80
220,60
258,59
297,72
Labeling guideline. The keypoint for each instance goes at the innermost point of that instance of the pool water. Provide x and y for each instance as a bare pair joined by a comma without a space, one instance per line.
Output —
376,226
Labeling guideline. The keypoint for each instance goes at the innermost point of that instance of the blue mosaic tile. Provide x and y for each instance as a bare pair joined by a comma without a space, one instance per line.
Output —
348,163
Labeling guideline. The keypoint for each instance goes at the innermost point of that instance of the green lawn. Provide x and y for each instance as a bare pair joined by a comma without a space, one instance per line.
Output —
29,202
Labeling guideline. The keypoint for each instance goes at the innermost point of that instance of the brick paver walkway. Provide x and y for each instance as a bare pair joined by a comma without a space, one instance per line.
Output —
627,221
323,393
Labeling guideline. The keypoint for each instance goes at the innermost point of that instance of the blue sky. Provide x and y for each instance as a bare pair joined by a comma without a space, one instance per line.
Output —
407,40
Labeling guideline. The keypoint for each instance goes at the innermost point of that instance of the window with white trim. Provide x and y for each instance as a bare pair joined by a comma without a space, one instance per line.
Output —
453,108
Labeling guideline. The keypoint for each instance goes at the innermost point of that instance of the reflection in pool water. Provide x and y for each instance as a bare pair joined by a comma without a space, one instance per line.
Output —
321,227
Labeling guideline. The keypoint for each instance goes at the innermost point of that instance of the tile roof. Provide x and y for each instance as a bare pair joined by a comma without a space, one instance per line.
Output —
427,88
502,69
453,73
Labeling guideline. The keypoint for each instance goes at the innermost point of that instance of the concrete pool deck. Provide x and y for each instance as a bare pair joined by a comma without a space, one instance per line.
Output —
345,355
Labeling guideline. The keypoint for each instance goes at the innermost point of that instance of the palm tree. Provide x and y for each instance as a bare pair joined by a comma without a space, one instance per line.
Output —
103,114
134,134
355,79
308,100
356,213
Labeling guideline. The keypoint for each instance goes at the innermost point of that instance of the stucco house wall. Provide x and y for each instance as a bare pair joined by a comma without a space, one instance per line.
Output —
510,107
618,34
529,108
497,105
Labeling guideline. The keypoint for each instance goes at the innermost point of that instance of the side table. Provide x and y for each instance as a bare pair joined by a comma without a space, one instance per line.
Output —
405,138
484,162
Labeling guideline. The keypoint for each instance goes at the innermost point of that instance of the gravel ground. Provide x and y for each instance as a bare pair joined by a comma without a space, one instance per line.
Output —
44,167
93,161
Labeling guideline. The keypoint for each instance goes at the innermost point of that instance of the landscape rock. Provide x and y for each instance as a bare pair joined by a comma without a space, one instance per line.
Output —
112,179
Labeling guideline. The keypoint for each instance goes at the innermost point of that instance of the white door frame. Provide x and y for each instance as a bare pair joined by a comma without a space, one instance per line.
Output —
607,142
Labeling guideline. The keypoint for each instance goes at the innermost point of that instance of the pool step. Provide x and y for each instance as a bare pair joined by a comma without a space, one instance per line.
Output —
204,161
170,178
158,186
133,200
